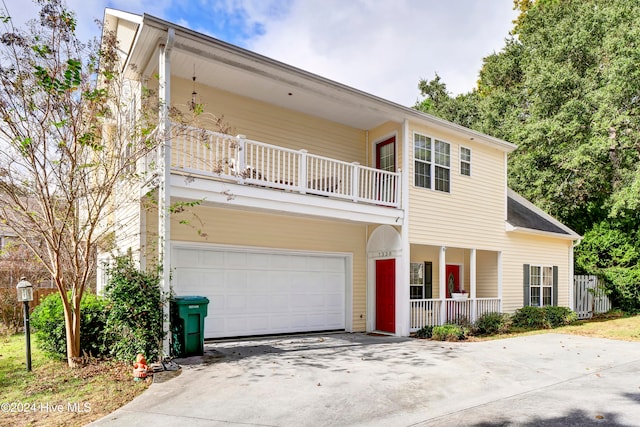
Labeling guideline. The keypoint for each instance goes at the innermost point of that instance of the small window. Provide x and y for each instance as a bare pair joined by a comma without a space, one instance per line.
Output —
465,161
416,280
420,280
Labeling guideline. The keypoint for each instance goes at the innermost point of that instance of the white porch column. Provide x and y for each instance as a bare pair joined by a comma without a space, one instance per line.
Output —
405,260
442,282
164,172
500,280
472,284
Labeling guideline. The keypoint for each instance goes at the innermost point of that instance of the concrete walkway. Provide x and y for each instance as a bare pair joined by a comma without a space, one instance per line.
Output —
356,379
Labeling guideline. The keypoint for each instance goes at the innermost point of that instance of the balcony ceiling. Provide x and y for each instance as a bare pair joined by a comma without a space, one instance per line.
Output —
227,67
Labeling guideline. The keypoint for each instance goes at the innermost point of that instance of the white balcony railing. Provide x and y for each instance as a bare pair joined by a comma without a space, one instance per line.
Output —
429,312
219,156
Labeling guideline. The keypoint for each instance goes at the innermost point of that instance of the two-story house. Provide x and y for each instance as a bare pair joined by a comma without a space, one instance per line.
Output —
328,208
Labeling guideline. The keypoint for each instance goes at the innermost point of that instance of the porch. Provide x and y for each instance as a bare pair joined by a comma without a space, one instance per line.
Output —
453,285
433,312
204,154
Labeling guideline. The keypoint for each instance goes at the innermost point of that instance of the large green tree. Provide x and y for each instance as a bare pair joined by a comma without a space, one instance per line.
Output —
566,90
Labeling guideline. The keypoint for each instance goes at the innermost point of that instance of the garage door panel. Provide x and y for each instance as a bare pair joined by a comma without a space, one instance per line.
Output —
258,260
210,258
235,259
258,292
277,303
335,300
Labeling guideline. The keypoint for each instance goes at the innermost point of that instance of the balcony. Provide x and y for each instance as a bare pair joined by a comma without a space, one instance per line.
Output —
200,153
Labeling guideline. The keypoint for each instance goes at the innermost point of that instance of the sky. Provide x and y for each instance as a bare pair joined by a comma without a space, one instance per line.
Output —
383,47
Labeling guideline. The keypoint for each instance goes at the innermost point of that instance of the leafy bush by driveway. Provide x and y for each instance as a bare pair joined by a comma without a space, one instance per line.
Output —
48,321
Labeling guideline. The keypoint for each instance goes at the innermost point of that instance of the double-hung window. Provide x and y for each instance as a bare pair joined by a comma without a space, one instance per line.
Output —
465,161
541,285
432,165
420,280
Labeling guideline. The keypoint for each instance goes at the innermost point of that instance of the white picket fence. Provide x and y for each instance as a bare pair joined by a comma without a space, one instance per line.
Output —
589,297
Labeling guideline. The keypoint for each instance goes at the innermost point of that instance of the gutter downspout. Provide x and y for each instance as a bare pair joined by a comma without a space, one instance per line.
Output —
164,187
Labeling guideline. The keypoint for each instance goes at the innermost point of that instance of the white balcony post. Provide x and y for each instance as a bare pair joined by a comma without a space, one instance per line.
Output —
302,172
442,267
241,158
397,188
472,284
355,181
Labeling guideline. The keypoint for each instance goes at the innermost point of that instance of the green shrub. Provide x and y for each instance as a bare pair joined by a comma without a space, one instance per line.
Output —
559,316
448,332
530,318
48,321
542,317
623,287
425,332
135,314
492,323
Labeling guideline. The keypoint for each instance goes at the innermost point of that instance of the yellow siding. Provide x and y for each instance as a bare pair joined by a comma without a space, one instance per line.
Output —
240,228
537,250
267,123
486,274
473,213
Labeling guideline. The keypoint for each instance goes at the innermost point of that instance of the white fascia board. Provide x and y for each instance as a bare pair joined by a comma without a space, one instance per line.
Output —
509,228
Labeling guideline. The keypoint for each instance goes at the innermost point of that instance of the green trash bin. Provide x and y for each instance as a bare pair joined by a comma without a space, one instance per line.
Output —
187,325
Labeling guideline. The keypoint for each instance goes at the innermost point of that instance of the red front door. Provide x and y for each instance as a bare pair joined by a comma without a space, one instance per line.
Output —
453,279
386,295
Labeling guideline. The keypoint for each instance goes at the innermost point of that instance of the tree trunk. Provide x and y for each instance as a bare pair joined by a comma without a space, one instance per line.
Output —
72,330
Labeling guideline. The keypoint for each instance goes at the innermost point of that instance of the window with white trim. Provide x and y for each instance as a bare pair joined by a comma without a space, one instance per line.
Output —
465,161
416,280
420,283
541,286
432,164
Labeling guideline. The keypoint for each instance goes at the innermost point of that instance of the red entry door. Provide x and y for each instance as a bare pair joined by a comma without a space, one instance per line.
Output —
386,295
453,279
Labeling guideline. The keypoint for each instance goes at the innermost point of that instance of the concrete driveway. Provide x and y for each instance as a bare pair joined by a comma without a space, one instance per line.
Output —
357,379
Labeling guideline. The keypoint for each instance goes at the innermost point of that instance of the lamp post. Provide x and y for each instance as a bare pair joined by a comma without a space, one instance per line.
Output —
25,294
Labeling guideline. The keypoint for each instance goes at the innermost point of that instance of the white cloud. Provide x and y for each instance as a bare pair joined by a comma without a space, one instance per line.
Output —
385,47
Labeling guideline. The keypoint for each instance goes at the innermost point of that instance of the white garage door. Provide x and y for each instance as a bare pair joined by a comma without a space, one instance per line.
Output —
253,292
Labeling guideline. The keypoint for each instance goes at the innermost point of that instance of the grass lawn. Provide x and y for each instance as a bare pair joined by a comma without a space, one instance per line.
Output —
52,394
623,328
618,327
